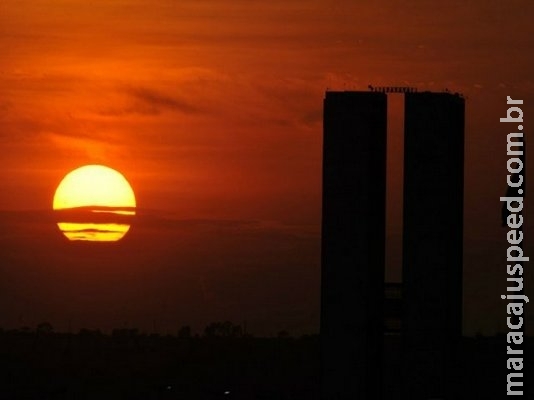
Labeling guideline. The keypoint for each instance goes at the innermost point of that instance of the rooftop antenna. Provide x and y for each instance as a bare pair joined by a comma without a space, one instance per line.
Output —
392,89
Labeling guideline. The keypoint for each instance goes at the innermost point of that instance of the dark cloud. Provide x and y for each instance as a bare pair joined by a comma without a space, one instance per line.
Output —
152,219
312,118
149,102
160,101
192,270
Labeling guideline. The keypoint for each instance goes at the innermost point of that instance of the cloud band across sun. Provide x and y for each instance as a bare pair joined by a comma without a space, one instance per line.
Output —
95,192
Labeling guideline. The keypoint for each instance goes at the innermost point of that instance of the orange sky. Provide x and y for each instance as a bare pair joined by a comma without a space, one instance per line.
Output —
212,109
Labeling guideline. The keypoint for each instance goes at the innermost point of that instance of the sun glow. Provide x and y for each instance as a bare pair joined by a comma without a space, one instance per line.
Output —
93,203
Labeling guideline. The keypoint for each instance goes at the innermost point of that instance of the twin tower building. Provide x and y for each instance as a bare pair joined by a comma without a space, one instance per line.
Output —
353,244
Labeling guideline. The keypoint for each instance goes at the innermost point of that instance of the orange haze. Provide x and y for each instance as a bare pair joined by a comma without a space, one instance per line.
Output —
213,111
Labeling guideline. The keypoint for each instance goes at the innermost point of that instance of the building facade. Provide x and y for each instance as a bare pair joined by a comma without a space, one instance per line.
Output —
432,242
353,243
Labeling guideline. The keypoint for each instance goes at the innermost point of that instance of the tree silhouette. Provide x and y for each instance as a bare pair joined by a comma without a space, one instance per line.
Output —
185,332
44,328
223,329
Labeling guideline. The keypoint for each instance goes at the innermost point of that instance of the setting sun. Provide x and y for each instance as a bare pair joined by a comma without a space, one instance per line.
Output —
91,201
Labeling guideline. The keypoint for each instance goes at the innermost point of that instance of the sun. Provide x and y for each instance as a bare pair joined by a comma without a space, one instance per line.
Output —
94,203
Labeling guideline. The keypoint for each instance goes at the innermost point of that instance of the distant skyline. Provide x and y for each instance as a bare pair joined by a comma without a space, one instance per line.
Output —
213,112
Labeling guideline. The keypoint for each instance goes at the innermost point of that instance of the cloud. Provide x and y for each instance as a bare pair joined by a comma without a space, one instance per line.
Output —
159,101
146,101
312,118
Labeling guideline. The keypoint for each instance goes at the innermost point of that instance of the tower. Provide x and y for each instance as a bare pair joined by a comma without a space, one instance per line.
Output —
353,244
432,241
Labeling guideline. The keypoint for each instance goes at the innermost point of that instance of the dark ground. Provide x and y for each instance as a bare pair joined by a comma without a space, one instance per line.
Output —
44,365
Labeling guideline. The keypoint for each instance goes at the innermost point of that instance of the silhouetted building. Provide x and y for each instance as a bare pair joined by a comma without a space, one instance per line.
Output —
432,242
392,308
353,244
